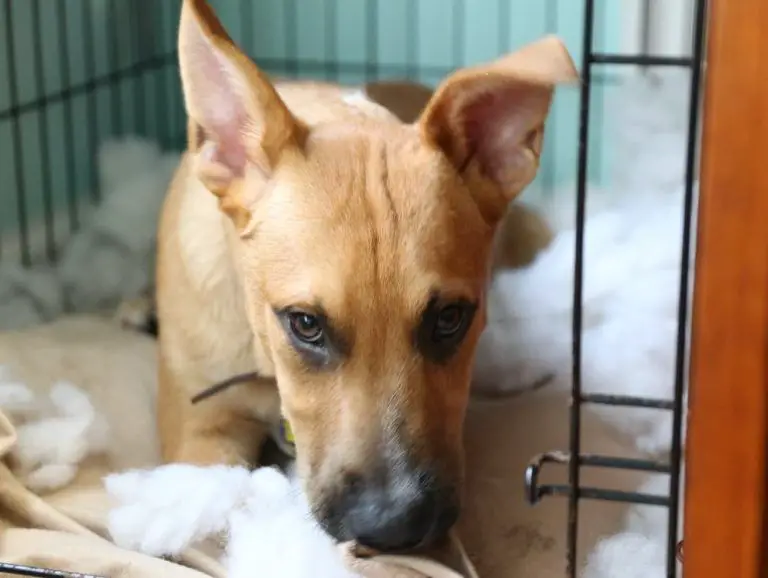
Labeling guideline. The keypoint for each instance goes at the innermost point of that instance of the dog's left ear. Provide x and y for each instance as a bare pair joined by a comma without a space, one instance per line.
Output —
489,120
236,119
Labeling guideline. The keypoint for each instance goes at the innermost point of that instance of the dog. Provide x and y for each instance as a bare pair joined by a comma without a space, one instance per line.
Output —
313,237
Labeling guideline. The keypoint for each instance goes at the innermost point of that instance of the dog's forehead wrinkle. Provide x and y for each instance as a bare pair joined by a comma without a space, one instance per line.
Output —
381,177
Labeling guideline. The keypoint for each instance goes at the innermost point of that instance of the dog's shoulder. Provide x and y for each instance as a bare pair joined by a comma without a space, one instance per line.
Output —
193,231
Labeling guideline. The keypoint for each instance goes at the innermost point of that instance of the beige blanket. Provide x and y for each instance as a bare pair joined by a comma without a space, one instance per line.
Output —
65,527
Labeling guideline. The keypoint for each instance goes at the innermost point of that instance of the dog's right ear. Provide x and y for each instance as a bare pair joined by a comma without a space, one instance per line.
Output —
488,120
237,121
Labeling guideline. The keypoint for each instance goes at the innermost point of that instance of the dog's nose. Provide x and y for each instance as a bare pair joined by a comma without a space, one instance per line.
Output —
406,514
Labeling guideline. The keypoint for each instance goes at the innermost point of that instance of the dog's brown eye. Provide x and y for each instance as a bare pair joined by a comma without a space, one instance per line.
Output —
306,327
449,321
443,326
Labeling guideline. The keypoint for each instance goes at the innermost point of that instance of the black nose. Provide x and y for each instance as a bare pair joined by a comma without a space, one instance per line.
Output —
408,512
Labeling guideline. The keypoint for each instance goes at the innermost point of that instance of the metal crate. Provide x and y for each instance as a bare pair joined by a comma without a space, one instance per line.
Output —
82,70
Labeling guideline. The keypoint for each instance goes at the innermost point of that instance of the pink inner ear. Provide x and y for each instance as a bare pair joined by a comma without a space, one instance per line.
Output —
496,123
215,102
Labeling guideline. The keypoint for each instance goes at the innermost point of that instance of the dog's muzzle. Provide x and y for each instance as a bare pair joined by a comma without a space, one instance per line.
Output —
408,511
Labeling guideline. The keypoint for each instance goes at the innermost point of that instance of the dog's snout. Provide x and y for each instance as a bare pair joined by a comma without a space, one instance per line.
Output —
409,511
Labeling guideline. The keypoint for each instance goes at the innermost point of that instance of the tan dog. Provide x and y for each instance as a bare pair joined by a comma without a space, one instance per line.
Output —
312,236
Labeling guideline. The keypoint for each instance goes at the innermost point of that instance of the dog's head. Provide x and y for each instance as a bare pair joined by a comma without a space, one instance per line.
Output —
365,246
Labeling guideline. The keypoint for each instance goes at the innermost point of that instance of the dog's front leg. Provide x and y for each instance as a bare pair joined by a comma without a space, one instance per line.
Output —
223,438
228,428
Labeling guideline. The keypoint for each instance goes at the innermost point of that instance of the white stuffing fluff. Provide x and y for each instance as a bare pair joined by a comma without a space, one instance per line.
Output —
168,509
54,433
16,399
630,297
28,296
648,116
111,258
640,550
627,555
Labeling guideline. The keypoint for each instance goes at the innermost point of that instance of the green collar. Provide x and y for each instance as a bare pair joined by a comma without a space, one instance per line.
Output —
284,438
282,434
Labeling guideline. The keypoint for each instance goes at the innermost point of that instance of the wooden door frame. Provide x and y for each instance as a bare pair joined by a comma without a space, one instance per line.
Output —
726,534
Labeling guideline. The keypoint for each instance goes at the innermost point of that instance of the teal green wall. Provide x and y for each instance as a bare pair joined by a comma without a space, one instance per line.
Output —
421,39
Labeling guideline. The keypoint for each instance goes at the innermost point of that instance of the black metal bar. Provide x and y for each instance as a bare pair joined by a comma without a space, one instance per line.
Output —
114,64
645,30
15,110
603,495
92,116
69,144
13,95
534,491
578,282
532,487
38,572
176,116
368,70
627,401
331,37
161,96
636,465
375,69
682,314
550,168
43,135
371,67
137,23
641,60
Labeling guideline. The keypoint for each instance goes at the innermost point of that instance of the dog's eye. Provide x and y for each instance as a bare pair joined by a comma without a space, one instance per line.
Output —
443,326
450,321
306,327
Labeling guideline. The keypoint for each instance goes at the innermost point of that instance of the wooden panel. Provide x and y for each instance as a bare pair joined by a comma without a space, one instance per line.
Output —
725,522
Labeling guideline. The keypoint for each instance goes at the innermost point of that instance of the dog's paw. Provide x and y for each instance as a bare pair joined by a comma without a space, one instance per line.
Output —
165,510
